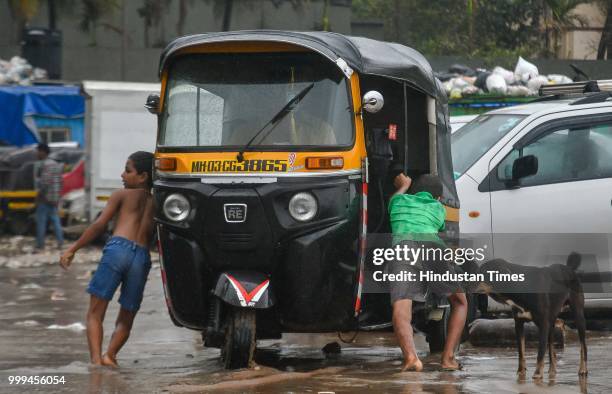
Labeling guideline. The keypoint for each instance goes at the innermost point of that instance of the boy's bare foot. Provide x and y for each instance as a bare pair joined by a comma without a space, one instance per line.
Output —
450,365
413,365
109,361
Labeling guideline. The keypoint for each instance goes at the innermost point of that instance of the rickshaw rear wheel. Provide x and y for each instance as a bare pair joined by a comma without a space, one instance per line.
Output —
436,332
239,347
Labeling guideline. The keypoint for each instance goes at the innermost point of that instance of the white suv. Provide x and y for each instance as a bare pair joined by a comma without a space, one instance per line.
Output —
535,182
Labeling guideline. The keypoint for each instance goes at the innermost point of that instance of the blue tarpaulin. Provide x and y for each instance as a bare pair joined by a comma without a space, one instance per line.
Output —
19,105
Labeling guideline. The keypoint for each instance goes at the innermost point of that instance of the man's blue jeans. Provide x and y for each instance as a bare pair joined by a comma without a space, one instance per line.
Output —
44,212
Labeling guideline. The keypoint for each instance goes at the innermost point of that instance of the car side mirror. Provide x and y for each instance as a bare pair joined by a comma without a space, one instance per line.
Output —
152,104
373,101
523,167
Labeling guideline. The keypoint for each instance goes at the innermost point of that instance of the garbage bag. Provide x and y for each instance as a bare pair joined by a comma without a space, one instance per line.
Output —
525,70
507,74
455,94
535,83
470,89
19,71
496,84
459,83
444,76
519,91
558,78
481,80
448,86
462,69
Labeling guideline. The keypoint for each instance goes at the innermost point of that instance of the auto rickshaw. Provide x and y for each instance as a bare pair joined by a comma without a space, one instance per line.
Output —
272,169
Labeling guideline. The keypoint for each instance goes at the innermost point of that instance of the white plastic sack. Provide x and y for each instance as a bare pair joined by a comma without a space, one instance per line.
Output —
518,91
525,70
447,86
506,74
535,83
459,83
19,71
496,84
39,73
470,89
18,61
558,78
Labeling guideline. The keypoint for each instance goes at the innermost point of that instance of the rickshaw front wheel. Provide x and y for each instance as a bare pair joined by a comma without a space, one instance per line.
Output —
240,341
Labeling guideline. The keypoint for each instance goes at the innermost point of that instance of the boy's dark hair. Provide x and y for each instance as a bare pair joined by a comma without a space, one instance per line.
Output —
427,183
143,162
43,148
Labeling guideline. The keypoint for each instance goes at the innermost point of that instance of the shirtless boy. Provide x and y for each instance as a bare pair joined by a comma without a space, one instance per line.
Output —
125,258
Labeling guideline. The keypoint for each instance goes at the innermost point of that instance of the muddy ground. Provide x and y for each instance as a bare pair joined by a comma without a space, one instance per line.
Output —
42,311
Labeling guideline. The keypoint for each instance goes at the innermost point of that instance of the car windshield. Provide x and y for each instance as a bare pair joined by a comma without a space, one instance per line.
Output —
474,139
222,101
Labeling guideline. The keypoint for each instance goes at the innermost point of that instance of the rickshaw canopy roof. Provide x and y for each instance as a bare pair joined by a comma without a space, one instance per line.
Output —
364,55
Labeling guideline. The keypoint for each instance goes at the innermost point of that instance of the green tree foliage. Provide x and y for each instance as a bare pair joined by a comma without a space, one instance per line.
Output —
478,28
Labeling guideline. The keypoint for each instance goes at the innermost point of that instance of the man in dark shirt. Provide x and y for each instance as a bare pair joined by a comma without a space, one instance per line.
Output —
49,186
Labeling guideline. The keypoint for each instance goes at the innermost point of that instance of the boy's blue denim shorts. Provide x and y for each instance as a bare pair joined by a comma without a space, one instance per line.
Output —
123,262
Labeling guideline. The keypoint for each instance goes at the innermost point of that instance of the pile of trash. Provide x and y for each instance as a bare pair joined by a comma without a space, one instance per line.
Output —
18,71
525,80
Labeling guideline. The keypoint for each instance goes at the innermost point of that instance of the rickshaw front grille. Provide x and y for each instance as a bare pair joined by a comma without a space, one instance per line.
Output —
233,241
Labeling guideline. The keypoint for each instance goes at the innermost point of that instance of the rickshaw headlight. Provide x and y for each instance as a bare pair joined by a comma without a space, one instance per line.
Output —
303,206
176,207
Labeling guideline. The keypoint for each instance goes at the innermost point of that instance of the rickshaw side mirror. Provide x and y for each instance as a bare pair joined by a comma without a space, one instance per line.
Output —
152,104
373,101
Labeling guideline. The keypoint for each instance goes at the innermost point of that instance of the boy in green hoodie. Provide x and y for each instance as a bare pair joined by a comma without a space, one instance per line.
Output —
416,219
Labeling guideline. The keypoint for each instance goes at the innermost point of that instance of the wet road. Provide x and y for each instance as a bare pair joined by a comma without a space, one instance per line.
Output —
42,313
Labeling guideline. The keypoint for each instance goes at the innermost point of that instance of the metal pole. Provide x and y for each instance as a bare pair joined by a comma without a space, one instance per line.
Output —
405,141
433,148
123,38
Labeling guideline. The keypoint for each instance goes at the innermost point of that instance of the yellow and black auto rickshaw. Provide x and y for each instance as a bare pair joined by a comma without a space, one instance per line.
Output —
272,169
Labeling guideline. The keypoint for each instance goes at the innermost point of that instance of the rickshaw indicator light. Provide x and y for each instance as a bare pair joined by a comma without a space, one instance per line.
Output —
392,132
324,163
166,164
176,207
303,206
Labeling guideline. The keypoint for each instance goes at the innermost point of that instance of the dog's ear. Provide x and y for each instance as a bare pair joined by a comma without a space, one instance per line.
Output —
471,267
573,261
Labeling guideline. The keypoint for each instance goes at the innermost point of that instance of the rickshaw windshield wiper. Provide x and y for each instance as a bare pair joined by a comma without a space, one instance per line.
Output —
290,106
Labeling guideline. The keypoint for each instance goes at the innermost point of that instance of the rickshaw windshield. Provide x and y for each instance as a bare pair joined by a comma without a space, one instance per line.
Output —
222,101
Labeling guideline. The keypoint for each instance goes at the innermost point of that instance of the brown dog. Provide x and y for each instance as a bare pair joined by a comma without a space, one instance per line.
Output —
540,296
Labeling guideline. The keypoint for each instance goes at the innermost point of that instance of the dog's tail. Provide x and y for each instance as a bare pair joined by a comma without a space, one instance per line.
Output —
573,261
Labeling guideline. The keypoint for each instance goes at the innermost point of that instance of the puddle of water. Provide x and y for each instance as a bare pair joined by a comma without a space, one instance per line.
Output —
40,336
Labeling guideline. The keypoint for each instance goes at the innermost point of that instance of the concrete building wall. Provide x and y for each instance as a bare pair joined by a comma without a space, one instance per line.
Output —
581,41
104,53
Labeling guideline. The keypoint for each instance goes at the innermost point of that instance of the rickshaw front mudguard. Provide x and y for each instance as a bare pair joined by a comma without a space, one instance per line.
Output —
246,289
185,278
